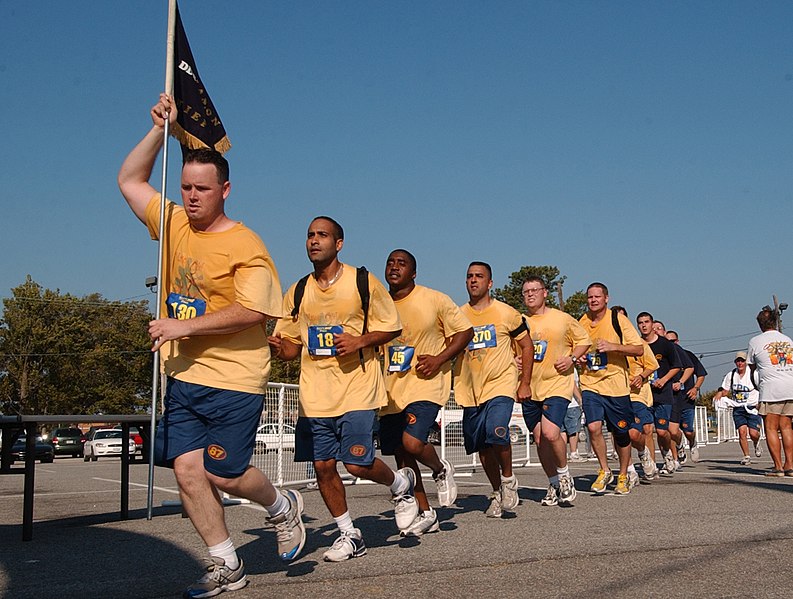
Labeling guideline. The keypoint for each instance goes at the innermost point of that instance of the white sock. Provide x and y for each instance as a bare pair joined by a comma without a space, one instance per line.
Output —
554,480
507,479
631,468
400,484
344,522
225,551
281,505
562,472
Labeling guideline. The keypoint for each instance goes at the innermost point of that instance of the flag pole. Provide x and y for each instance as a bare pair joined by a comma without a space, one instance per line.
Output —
155,378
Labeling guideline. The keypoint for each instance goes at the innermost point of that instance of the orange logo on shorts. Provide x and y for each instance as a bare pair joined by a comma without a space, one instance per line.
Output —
685,425
622,424
662,421
544,407
637,421
500,431
357,450
411,418
216,452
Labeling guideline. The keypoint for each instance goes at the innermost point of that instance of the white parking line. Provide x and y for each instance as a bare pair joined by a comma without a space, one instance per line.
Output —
118,482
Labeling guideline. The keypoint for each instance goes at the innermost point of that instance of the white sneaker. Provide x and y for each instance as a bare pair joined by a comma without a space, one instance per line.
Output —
695,454
566,490
746,460
633,479
424,522
347,546
494,509
575,457
509,494
678,466
405,507
447,488
758,451
551,497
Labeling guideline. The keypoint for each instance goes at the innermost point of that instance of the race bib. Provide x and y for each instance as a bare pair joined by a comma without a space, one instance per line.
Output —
540,348
597,360
653,377
484,337
400,357
320,339
182,307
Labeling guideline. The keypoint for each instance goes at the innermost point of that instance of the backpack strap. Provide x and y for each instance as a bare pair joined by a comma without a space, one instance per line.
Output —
300,289
732,381
615,322
523,326
362,282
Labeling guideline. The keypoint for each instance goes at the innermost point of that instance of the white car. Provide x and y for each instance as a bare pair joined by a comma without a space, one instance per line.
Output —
268,437
105,442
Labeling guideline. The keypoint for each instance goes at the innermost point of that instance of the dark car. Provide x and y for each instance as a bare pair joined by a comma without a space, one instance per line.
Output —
44,452
68,441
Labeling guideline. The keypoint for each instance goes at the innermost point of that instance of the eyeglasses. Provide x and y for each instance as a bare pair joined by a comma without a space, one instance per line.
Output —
532,291
740,360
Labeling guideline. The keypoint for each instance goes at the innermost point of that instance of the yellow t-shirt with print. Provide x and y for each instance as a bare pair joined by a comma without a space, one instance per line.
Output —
637,365
216,269
611,381
428,318
555,334
487,368
331,385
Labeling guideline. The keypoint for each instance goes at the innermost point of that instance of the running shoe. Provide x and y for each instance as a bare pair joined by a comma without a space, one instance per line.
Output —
603,480
623,487
405,507
746,460
668,469
758,451
695,454
648,465
678,466
566,490
509,494
575,457
681,455
633,479
447,488
551,497
494,509
218,578
347,546
289,528
424,522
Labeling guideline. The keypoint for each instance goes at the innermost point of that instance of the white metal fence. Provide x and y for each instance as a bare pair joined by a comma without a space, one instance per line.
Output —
275,444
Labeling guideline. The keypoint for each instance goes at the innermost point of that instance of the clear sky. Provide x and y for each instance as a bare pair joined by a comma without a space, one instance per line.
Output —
647,145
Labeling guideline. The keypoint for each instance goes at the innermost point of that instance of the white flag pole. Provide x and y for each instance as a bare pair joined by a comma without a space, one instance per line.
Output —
155,379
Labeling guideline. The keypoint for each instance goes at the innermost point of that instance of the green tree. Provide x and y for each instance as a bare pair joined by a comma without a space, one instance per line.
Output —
511,293
64,354
282,371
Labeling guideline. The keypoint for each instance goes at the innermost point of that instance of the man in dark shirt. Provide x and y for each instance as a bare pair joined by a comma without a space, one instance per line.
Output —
685,400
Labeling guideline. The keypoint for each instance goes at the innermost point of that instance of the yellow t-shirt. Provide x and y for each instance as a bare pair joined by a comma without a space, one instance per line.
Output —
428,318
487,369
637,365
331,385
218,269
612,380
555,334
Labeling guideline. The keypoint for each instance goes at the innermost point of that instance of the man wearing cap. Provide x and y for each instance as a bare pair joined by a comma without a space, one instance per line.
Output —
740,393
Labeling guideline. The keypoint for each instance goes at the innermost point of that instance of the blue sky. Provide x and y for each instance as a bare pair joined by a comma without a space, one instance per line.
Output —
646,145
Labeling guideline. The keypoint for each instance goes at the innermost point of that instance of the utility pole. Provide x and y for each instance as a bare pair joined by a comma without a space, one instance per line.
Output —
778,309
561,296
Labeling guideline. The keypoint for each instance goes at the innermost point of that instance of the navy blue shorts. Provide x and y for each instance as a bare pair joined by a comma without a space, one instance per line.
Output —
642,415
347,438
742,417
662,413
487,424
553,408
416,420
683,414
616,411
221,422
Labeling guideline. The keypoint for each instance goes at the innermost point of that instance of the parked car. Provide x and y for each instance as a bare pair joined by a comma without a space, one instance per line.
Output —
134,434
105,442
44,452
68,441
268,437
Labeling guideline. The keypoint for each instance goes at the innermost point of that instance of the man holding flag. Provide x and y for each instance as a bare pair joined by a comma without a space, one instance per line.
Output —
221,287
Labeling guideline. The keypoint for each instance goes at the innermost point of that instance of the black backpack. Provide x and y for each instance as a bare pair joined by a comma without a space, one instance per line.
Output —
361,281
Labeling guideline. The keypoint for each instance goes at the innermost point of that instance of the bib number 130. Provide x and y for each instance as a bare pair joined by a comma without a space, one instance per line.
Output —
182,307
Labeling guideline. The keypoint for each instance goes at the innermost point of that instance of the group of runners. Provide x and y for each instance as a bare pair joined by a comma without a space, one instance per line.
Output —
370,350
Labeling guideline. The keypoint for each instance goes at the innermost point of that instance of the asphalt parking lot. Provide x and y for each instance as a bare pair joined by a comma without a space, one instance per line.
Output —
717,529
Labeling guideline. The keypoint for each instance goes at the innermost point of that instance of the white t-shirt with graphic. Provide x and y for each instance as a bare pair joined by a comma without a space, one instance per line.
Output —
772,353
742,392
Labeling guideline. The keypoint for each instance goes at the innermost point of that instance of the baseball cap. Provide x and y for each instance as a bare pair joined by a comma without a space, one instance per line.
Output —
741,355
